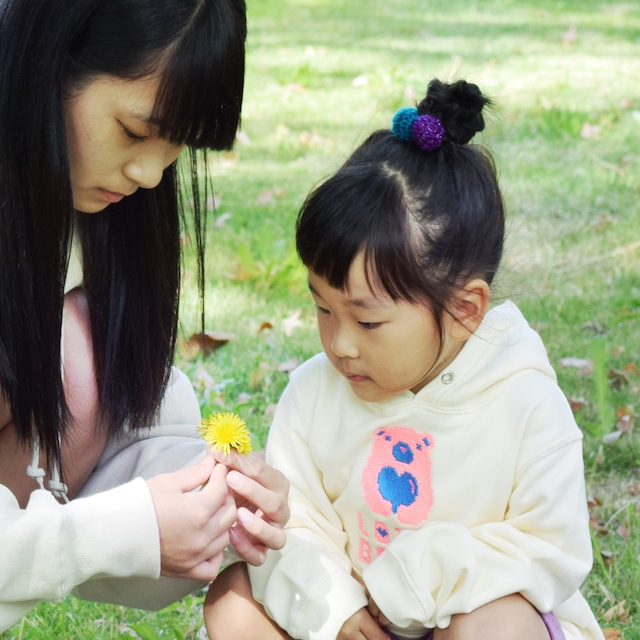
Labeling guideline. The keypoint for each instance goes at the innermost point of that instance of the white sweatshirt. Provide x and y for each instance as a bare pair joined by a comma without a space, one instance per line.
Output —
438,502
104,545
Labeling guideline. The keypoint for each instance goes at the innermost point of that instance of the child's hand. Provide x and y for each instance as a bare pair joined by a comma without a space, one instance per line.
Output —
376,613
194,525
260,493
361,626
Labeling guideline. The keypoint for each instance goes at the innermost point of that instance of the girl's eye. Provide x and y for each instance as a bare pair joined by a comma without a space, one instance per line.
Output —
130,134
322,310
368,326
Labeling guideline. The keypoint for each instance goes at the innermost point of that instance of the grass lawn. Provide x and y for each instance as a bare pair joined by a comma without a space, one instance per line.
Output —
321,75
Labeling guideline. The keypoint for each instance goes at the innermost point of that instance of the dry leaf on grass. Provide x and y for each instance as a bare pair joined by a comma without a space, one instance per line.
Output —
617,613
203,343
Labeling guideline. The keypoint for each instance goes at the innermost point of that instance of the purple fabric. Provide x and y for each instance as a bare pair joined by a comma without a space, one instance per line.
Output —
549,619
428,636
553,626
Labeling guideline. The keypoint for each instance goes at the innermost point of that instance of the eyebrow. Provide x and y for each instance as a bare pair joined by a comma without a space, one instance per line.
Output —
362,303
148,119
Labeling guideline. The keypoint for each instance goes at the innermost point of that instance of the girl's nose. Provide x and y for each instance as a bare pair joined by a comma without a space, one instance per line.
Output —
146,171
343,345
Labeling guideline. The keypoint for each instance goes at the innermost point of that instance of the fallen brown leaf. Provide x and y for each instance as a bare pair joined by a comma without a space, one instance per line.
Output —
607,559
623,532
626,417
618,613
292,322
576,404
618,377
203,343
593,502
595,524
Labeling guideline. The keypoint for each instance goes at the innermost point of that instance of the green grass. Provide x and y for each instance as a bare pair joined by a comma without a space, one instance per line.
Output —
321,75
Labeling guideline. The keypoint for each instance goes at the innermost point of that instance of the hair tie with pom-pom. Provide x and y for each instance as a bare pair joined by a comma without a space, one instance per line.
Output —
426,131
402,123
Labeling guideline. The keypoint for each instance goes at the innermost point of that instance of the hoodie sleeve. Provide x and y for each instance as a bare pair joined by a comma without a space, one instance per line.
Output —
541,549
104,545
307,587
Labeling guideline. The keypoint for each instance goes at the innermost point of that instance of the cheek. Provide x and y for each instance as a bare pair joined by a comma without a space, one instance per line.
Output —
175,153
325,333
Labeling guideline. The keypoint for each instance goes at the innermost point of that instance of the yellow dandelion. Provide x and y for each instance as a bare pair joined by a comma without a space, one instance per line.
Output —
224,431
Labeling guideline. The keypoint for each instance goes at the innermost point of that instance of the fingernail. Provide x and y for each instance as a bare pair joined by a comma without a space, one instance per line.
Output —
245,516
235,480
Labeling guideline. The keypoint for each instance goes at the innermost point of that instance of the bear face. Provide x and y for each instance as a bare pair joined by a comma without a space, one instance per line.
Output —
397,476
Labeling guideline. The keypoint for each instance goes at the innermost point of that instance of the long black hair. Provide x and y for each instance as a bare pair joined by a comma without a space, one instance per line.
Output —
427,221
131,251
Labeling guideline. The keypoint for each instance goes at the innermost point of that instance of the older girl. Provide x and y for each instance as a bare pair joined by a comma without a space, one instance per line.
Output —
98,451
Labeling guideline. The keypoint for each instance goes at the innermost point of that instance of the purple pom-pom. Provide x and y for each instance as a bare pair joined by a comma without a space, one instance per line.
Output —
402,122
428,132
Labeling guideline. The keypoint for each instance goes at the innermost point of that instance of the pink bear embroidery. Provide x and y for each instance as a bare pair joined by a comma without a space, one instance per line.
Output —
397,476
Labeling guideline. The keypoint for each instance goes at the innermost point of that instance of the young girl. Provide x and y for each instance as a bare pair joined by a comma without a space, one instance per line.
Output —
436,469
99,455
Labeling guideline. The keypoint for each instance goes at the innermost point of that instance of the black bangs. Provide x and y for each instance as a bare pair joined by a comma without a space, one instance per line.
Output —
200,96
359,208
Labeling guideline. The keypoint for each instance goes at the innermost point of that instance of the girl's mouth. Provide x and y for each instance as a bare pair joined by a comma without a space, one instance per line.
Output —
110,196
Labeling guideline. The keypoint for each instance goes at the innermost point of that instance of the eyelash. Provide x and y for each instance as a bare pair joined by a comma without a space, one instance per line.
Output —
367,326
370,326
130,134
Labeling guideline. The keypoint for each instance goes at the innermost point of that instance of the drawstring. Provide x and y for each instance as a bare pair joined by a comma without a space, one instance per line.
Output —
34,470
58,488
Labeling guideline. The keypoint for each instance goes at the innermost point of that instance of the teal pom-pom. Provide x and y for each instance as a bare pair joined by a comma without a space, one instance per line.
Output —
402,123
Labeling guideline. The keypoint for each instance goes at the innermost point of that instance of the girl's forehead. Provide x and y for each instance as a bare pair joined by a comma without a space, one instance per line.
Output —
359,291
137,95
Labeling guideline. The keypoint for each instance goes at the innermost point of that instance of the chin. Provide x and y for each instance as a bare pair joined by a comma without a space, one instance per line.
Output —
371,395
87,208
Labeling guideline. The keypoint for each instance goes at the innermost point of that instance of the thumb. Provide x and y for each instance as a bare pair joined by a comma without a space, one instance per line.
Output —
194,476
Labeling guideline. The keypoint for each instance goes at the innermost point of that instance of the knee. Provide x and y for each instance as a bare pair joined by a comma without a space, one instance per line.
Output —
228,595
231,612
504,619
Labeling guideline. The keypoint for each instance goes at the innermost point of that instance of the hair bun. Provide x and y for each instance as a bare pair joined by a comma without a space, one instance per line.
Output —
458,106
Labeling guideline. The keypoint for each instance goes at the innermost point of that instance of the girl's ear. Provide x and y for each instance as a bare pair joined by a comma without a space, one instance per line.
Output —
470,307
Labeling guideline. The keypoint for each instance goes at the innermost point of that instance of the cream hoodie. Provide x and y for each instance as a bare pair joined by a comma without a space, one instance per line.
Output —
438,502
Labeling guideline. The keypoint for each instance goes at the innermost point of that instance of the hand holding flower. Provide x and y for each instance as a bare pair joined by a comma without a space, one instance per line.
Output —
260,491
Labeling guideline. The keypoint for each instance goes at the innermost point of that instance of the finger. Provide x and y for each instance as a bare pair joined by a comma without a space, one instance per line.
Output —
215,546
270,498
246,547
215,537
208,570
253,466
223,518
215,488
263,532
194,476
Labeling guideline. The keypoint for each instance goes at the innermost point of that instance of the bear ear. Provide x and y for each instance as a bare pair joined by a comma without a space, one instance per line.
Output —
469,308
